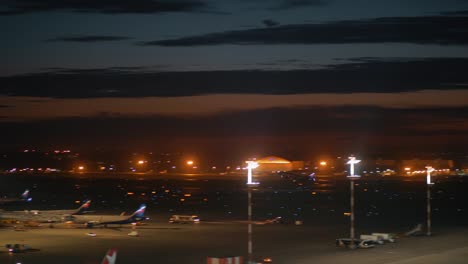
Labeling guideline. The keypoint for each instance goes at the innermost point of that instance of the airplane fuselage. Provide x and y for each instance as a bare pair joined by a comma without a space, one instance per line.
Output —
5,201
104,219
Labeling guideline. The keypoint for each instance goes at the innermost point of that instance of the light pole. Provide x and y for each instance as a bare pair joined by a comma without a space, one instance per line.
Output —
250,184
429,169
352,178
249,230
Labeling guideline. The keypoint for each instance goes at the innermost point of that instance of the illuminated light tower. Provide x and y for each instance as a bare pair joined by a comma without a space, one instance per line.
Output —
429,169
351,162
352,177
250,166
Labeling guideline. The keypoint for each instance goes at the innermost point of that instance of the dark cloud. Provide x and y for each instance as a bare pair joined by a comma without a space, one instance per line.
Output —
14,7
456,13
270,130
441,30
270,23
9,13
117,68
291,4
362,75
93,38
109,70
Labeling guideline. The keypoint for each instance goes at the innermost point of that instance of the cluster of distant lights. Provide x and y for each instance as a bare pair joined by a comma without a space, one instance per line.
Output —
191,163
409,172
39,169
380,171
55,151
167,192
32,169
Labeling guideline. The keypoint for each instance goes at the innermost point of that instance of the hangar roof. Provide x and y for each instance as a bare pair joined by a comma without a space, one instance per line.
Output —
272,159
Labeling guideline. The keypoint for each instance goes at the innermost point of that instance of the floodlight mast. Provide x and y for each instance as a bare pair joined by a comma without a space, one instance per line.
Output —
429,169
352,177
250,166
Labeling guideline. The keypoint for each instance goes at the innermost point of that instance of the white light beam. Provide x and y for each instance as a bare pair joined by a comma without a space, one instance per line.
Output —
351,162
428,178
250,166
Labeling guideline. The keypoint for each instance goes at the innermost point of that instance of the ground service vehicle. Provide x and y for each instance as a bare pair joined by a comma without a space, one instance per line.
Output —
17,248
358,243
184,219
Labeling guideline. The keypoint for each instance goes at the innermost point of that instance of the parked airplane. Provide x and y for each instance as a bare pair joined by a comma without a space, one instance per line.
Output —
276,220
110,256
44,216
23,198
93,220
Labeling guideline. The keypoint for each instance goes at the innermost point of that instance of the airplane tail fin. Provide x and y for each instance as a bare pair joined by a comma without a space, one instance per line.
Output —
139,214
110,257
84,207
25,196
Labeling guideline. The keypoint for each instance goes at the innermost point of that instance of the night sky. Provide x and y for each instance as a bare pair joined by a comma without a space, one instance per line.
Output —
289,77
